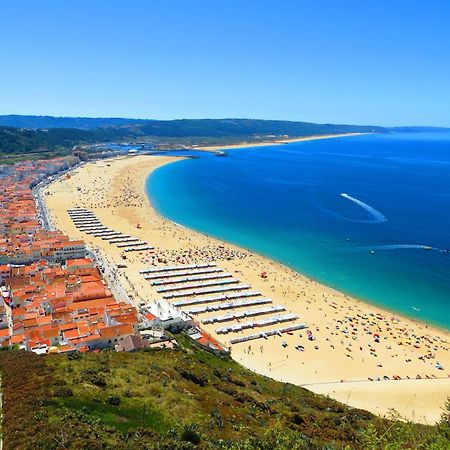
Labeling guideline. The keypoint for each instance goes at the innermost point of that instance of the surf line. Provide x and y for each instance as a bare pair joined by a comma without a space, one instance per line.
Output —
376,214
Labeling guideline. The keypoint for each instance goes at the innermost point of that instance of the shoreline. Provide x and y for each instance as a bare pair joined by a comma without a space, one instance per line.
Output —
366,301
323,308
275,142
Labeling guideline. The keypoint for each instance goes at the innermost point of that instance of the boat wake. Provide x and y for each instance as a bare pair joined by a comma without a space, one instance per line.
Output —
401,247
378,217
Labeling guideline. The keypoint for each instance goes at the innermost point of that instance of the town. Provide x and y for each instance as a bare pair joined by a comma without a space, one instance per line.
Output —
54,298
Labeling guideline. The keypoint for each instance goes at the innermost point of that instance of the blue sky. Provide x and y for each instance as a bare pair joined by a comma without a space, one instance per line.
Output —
347,61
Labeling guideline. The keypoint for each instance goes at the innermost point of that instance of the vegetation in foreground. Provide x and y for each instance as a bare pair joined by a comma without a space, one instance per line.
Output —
181,399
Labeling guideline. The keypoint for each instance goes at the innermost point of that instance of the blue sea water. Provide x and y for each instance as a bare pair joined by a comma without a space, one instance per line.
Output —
285,202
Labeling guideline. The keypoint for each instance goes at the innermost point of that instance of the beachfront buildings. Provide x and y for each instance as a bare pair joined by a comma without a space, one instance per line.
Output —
65,308
53,298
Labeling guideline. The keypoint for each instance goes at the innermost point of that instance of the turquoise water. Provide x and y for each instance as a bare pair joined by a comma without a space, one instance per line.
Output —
285,202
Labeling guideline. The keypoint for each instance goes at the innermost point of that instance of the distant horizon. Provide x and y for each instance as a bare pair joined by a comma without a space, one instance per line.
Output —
221,118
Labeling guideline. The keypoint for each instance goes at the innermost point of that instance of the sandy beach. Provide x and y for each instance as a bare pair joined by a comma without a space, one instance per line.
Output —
276,142
353,342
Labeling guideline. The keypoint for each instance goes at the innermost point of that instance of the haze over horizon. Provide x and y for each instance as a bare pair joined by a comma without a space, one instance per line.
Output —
351,63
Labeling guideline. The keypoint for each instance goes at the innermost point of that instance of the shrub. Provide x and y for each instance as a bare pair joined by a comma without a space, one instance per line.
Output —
297,419
190,434
97,380
63,391
198,380
74,355
113,400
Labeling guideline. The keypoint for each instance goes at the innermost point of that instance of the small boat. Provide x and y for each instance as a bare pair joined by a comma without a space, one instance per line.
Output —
415,309
372,251
220,154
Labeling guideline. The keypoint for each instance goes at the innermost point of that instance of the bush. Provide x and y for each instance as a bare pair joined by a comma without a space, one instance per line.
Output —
74,355
198,380
63,391
297,419
113,400
97,380
190,435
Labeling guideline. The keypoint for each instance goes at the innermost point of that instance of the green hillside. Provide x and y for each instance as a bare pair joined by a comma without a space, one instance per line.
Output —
180,399
46,136
24,140
86,123
15,141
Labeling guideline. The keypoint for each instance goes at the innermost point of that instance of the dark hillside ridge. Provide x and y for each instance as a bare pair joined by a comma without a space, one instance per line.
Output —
184,127
45,122
28,139
245,127
189,126
45,134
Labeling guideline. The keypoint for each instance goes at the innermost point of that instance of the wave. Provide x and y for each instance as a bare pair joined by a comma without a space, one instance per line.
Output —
376,214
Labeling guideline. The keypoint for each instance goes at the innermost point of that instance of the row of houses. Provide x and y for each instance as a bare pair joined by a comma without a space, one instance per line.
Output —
22,238
65,307
53,298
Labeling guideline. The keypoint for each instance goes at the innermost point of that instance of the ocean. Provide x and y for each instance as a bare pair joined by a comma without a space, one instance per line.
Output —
368,215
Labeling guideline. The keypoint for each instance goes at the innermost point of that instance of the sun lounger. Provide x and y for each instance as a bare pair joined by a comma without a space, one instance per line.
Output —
216,298
197,285
122,239
139,249
198,271
265,334
90,227
95,231
228,305
130,244
244,314
170,268
85,219
108,236
85,216
258,323
185,279
211,290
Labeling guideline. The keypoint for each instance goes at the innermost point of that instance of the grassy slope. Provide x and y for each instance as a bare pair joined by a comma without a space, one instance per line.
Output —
166,399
